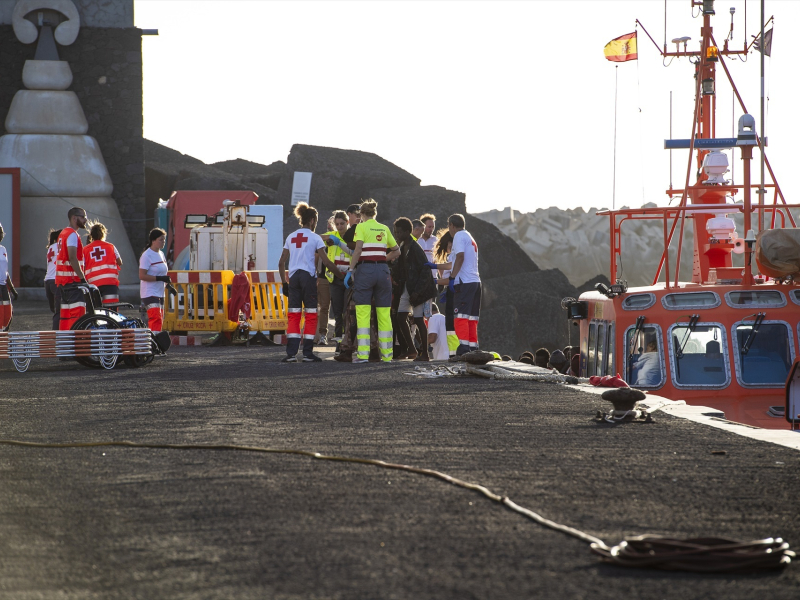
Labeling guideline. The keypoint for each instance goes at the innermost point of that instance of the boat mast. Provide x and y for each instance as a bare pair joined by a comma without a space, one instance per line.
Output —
761,190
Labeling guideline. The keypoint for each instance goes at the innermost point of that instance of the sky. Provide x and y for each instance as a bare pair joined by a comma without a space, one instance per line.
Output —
511,103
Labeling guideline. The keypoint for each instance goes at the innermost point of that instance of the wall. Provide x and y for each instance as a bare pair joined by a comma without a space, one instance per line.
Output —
94,13
107,77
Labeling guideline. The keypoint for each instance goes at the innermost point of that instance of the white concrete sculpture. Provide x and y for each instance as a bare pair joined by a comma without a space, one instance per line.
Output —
60,166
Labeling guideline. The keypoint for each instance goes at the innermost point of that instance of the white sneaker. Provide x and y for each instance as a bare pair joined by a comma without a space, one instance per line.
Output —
360,360
323,341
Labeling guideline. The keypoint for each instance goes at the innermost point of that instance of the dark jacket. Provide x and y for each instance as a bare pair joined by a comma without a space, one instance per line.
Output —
409,271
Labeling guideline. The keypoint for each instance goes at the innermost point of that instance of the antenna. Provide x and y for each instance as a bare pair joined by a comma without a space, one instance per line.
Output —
730,33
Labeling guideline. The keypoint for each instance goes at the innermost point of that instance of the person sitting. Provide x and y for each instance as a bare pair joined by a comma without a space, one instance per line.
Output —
646,367
437,334
558,361
541,358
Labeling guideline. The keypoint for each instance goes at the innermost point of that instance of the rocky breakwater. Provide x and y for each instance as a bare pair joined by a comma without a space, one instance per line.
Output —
577,242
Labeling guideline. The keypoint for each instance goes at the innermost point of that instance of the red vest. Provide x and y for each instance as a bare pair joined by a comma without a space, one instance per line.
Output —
64,272
100,264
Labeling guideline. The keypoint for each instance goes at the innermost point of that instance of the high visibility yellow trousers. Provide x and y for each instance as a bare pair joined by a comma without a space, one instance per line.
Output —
385,339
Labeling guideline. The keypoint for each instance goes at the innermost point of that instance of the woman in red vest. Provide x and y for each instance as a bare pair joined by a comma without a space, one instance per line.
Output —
6,287
101,264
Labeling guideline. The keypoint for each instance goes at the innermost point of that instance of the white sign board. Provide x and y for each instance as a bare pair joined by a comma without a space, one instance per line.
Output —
301,187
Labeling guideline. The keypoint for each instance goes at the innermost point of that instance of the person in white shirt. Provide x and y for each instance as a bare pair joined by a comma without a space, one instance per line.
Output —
50,287
153,271
437,335
428,240
466,284
301,250
6,288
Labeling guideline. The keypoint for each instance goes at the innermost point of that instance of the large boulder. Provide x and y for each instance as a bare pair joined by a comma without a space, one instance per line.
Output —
523,312
340,177
264,175
498,254
414,201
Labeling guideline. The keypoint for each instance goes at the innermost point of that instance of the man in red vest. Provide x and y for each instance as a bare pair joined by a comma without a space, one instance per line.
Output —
101,262
69,269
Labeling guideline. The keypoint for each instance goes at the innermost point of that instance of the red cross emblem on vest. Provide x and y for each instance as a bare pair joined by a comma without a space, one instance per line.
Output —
98,253
299,240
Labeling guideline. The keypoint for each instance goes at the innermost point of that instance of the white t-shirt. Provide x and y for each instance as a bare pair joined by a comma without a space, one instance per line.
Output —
427,247
302,246
154,263
436,324
72,242
464,244
52,252
3,265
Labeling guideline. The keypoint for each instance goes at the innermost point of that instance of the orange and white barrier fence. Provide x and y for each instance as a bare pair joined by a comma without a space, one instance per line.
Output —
106,345
268,305
201,303
203,296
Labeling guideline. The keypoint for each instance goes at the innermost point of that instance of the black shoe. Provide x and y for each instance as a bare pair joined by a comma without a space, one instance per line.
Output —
289,359
312,358
462,349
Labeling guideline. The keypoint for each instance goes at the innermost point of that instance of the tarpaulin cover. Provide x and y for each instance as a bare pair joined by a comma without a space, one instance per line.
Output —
240,298
778,252
184,203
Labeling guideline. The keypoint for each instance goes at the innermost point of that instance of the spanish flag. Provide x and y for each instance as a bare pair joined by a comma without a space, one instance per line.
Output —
621,49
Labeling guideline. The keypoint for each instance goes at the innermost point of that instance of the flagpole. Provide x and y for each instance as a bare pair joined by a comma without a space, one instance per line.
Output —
761,190
614,188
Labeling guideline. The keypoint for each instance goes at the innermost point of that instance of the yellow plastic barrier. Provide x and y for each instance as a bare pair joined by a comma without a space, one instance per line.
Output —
268,305
201,303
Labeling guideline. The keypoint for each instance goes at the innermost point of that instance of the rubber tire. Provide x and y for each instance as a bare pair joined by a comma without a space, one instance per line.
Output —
84,323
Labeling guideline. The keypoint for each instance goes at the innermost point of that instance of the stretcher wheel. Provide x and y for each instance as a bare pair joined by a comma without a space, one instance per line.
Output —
95,321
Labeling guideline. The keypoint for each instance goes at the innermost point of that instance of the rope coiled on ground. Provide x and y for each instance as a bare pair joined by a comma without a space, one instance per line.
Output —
704,555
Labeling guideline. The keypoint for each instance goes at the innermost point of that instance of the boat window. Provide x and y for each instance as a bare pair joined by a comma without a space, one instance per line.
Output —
591,350
690,300
795,296
763,355
638,301
601,348
755,299
644,357
610,359
698,355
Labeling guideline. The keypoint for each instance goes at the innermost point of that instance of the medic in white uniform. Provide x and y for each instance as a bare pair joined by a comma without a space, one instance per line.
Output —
153,271
301,250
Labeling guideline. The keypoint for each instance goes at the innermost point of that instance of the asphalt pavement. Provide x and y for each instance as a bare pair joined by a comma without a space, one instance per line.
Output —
111,522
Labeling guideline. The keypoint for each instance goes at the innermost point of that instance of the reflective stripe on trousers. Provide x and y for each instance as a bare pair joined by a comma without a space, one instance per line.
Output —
384,331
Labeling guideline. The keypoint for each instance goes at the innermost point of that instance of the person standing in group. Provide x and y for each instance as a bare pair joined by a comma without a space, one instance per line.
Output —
375,245
443,255
301,250
6,288
417,227
339,253
69,269
466,284
153,271
415,287
348,344
50,288
102,263
427,240
323,295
